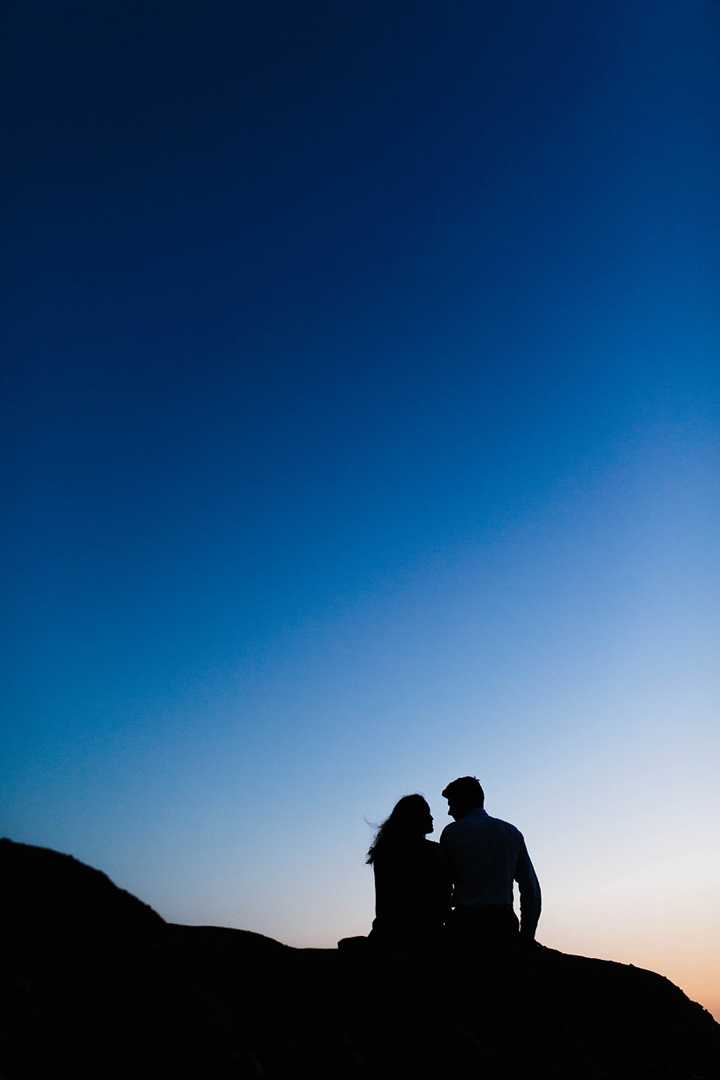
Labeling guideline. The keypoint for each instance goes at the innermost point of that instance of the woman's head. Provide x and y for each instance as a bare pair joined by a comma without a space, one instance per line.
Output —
410,820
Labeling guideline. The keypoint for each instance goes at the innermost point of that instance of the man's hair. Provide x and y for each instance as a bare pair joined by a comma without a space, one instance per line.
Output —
466,790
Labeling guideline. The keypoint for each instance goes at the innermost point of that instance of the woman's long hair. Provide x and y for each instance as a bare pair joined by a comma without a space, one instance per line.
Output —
406,823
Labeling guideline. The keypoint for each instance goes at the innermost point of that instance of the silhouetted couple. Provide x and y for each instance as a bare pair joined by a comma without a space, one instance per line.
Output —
458,893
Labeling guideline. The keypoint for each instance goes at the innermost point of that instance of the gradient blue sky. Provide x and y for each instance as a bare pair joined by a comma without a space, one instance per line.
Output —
360,418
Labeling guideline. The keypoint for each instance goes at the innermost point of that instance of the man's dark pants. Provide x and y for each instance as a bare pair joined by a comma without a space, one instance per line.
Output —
492,926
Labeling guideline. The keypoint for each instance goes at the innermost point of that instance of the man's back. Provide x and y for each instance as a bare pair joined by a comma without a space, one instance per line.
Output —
485,855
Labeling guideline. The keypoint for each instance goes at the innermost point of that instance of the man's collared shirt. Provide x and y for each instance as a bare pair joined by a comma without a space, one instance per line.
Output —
485,856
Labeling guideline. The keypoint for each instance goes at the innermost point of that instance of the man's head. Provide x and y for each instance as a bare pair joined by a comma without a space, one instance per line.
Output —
463,795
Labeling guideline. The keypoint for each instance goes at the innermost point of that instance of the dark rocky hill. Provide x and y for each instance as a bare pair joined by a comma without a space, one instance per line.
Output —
96,985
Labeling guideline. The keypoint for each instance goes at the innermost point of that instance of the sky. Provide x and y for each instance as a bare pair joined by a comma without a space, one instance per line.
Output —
360,431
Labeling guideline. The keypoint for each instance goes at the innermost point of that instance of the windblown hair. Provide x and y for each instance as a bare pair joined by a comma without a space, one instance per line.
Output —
404,824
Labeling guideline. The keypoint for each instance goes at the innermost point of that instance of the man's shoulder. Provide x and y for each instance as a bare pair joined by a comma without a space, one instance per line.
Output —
509,829
453,830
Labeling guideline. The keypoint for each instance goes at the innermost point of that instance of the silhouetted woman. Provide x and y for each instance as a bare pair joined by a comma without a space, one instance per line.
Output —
412,886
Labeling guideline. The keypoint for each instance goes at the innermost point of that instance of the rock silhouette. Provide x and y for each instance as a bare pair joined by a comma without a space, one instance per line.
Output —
96,984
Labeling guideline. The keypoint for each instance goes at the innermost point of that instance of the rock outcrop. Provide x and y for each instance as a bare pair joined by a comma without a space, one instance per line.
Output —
96,985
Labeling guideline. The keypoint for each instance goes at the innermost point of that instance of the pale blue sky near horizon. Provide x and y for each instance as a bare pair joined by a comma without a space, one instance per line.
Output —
361,429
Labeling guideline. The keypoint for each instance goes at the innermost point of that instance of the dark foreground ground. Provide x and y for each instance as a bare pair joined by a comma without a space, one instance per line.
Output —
95,984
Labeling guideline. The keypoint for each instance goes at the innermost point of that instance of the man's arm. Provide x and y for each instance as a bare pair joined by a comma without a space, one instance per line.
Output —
530,899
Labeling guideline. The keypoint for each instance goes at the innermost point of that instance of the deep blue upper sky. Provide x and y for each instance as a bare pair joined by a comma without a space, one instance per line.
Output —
301,295
298,290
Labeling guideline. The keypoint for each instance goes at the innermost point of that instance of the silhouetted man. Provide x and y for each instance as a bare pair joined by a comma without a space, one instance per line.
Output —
484,856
